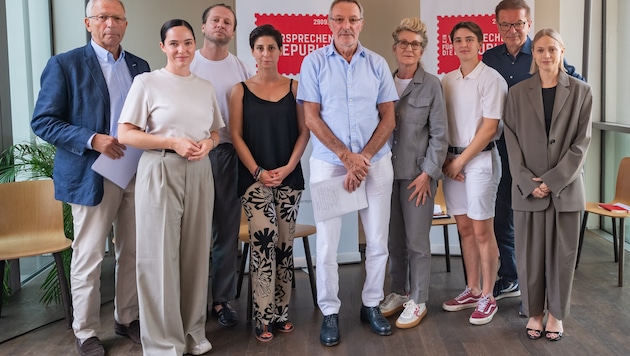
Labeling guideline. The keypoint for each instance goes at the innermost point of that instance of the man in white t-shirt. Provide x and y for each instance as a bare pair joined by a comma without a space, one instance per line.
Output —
214,63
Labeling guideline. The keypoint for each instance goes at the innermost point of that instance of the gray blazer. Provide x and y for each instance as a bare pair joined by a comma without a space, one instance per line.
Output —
557,159
420,139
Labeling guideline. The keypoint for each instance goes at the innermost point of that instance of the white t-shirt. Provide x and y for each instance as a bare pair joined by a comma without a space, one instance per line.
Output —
481,94
169,105
223,75
401,84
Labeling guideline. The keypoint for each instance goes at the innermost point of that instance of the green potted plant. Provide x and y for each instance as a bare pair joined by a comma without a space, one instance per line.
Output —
35,161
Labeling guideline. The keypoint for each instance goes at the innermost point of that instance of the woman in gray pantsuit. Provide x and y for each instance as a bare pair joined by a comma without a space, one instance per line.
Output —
548,131
418,152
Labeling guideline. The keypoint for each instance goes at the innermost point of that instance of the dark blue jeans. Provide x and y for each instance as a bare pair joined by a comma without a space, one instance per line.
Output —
504,219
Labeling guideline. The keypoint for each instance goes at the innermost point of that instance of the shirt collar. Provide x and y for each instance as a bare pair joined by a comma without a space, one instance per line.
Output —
475,72
333,51
525,49
105,55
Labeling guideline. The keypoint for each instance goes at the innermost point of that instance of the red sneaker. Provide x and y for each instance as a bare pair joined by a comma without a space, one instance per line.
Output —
486,308
463,301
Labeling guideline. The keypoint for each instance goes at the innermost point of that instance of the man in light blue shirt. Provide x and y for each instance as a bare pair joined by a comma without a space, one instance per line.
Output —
348,95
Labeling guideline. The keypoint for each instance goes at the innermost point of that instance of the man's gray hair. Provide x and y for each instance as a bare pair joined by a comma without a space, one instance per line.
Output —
90,6
356,2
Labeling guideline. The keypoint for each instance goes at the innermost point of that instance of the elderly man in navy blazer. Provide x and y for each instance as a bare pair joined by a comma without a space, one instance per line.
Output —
82,94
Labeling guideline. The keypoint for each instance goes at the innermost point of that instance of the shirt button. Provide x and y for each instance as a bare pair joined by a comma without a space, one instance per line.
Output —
511,77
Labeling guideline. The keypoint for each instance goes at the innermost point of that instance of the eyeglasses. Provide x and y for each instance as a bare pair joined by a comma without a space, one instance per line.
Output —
104,18
415,45
341,20
517,25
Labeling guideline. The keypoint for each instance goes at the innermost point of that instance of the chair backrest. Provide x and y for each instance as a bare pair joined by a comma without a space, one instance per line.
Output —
29,214
622,190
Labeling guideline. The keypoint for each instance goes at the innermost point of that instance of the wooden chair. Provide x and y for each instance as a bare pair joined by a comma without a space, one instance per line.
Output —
444,222
31,224
302,231
622,195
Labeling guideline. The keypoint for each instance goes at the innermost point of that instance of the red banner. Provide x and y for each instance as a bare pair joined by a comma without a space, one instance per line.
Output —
447,60
301,35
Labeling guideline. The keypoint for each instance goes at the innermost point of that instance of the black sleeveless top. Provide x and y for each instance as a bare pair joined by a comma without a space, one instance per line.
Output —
270,130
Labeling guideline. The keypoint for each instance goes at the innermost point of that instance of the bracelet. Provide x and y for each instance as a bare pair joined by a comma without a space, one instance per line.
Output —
214,142
257,173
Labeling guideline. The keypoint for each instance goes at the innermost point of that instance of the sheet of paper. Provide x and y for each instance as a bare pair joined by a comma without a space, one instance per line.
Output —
437,209
330,199
119,171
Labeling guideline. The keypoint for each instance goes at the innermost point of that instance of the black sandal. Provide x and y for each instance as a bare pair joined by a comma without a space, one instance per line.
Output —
553,335
284,326
263,332
535,335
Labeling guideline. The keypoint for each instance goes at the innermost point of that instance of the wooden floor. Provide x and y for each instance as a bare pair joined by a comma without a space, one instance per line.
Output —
599,323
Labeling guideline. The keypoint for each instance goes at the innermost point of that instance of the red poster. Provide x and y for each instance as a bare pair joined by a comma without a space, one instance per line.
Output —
447,60
301,34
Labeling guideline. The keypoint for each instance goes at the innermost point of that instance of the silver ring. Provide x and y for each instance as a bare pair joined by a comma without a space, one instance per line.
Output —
426,195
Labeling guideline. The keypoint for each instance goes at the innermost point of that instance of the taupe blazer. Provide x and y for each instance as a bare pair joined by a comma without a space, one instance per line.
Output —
557,159
420,139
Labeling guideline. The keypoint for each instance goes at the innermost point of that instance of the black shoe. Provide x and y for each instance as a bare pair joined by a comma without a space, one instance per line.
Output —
377,321
90,347
227,316
329,335
132,331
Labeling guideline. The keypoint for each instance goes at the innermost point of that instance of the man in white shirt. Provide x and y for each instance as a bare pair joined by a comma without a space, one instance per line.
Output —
214,63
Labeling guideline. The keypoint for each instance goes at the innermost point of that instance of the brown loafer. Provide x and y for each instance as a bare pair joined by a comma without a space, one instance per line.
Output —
132,331
90,347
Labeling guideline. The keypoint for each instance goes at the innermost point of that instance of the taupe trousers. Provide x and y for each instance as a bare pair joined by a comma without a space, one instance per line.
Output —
546,245
174,204
91,227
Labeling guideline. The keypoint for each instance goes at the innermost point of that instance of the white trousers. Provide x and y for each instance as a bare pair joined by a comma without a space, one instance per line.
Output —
375,218
91,227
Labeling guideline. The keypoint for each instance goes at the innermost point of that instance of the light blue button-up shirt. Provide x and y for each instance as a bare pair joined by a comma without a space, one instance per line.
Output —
348,94
118,79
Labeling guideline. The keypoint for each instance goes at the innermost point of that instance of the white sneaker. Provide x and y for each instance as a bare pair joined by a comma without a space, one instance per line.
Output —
412,315
201,348
393,303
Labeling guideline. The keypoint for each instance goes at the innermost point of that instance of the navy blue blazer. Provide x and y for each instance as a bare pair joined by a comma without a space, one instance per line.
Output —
73,105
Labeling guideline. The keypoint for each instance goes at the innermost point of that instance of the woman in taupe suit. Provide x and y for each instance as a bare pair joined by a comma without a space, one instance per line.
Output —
548,131
418,152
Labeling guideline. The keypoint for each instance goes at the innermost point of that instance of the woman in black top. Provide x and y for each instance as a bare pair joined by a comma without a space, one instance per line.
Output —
269,135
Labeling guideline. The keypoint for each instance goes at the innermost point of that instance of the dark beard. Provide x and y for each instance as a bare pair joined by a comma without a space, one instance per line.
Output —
218,41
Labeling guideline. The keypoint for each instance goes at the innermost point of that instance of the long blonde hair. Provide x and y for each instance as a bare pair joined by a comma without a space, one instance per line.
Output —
553,34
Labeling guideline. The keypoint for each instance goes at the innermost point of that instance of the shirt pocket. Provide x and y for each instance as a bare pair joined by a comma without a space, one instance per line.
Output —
418,110
414,118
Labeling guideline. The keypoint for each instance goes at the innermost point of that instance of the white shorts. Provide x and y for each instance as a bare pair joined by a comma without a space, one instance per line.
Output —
476,195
